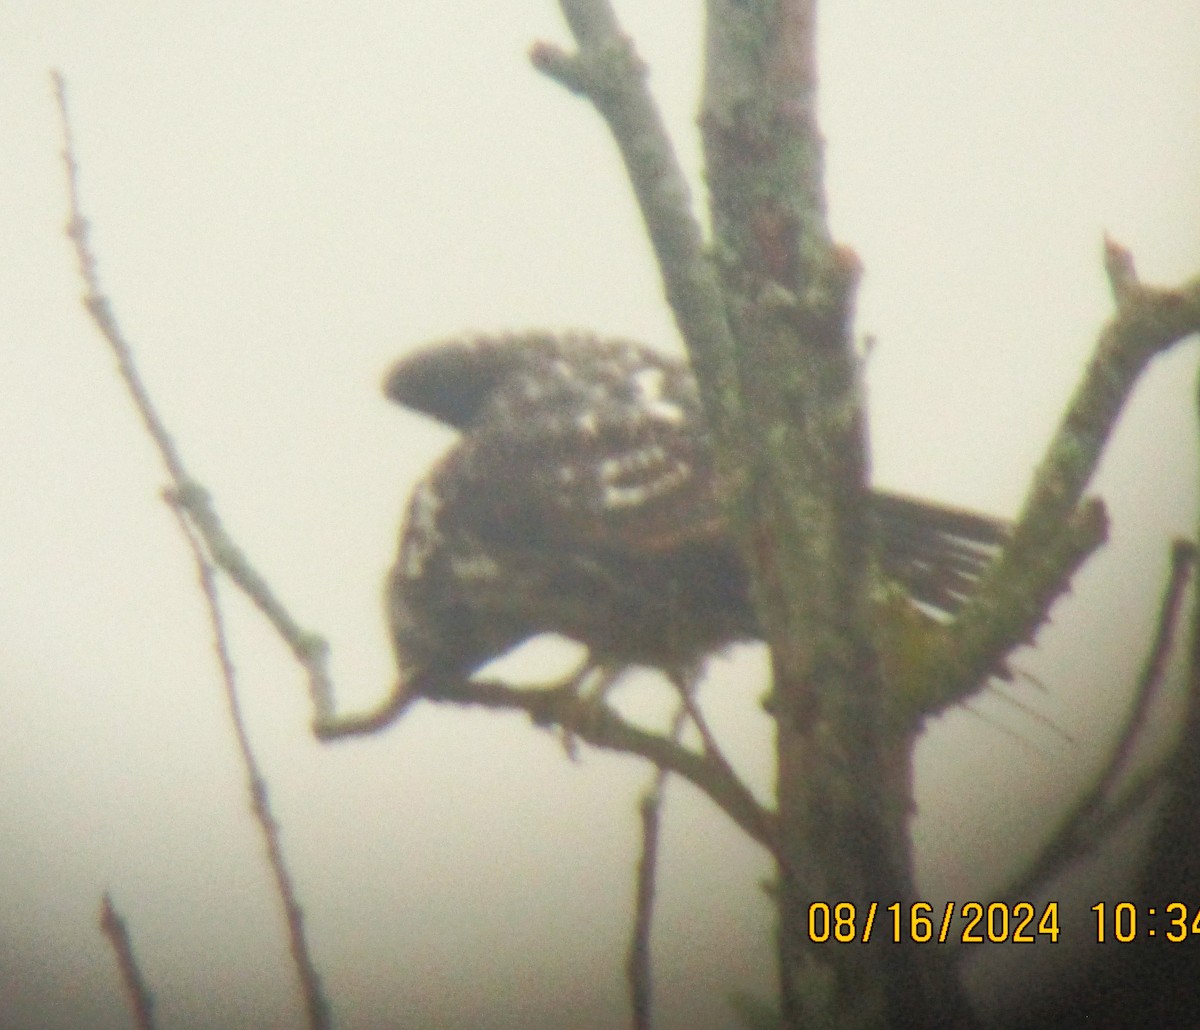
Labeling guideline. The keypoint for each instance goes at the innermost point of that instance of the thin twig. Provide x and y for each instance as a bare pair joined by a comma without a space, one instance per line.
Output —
310,649
1154,668
638,968
685,685
1094,814
189,496
315,1002
1171,869
139,997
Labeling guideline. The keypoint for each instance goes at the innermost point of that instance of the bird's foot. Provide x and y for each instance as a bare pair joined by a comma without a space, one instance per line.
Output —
589,685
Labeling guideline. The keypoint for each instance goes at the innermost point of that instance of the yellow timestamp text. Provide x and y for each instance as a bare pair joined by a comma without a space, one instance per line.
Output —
971,922
1125,922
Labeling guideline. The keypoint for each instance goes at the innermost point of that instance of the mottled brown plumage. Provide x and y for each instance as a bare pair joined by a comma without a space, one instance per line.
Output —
581,499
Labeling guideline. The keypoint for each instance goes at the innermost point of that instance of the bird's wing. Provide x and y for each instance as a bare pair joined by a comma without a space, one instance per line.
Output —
589,443
618,481
454,380
462,381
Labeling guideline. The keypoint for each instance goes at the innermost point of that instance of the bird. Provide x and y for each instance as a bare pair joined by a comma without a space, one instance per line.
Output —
581,497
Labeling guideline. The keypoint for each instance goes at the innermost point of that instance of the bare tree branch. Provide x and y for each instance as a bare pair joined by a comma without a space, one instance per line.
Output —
188,497
638,968
1056,531
594,721
315,1003
310,650
607,70
139,997
1095,814
1154,668
844,778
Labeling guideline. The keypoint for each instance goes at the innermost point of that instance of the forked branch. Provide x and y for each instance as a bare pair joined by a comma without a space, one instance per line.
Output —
1057,528
309,648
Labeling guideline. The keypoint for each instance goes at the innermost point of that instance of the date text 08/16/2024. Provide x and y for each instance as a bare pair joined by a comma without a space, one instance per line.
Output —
998,922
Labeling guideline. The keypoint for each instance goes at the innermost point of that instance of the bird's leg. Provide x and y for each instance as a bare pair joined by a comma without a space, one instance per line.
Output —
590,684
686,681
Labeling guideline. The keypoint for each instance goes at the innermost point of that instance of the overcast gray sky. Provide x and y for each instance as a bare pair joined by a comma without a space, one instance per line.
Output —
284,198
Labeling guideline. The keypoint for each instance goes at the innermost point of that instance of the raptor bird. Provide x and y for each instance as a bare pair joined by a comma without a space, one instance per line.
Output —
581,499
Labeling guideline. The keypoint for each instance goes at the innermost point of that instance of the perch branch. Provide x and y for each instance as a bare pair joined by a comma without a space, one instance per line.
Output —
598,724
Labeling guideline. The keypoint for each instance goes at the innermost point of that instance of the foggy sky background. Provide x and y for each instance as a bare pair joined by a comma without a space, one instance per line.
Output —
284,198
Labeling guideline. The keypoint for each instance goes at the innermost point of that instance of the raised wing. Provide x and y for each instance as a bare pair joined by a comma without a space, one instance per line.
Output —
580,441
